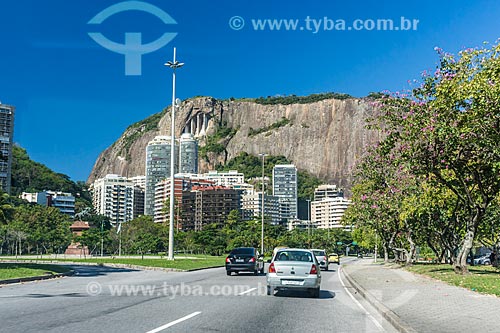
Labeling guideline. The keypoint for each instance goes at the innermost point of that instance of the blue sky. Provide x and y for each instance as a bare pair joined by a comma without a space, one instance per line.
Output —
73,98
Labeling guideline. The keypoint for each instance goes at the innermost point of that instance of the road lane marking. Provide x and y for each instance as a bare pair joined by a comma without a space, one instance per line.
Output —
359,304
175,322
246,292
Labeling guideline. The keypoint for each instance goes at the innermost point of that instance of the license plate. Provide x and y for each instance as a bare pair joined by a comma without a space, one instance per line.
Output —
291,282
240,260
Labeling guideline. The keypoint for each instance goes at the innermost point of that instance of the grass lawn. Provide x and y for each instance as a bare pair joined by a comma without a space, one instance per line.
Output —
483,279
16,270
180,263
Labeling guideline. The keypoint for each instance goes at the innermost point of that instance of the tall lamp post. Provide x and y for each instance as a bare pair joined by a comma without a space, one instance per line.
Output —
262,208
309,220
174,65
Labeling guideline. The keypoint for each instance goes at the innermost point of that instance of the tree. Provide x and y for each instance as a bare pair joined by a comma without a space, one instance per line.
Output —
142,235
91,238
381,186
46,227
6,208
450,128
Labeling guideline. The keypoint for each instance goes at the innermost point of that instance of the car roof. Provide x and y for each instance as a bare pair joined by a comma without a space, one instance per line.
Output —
318,250
294,249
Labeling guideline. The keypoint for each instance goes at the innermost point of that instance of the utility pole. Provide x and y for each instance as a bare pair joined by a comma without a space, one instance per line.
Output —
262,208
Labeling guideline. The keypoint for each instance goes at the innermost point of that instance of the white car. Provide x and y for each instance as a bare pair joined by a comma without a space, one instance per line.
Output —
322,258
296,269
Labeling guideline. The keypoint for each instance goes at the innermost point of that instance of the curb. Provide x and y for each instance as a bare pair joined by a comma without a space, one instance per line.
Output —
201,269
36,278
112,265
387,313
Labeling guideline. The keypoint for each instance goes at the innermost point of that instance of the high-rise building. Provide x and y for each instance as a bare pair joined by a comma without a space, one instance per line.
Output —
6,135
327,191
139,190
188,154
205,205
113,196
65,202
138,206
251,205
328,212
285,188
182,184
157,168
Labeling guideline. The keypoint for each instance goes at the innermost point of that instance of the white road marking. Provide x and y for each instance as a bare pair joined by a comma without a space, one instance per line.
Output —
359,304
175,322
247,291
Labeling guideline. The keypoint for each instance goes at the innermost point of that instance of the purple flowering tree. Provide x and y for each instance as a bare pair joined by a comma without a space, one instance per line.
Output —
448,129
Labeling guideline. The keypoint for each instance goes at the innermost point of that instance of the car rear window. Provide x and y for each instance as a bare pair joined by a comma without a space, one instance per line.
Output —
293,256
319,253
242,250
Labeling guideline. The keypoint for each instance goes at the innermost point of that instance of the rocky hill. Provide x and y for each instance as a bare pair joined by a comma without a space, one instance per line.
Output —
324,137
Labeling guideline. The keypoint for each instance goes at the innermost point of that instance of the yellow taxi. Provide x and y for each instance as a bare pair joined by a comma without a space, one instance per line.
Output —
334,257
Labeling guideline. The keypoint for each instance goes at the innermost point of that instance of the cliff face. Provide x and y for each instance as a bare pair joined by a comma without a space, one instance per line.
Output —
324,137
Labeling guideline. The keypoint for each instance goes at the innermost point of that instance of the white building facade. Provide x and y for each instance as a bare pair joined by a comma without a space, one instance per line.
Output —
113,196
225,178
327,213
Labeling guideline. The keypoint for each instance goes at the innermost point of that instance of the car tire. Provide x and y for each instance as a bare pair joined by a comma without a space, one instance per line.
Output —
262,270
270,291
316,293
228,273
326,268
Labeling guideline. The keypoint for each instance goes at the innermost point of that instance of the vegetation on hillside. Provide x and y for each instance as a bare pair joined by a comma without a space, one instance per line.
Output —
283,122
31,176
294,99
217,142
137,129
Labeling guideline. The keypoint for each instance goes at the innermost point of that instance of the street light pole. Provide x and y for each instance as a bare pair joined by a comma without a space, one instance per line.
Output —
262,208
174,65
309,220
102,238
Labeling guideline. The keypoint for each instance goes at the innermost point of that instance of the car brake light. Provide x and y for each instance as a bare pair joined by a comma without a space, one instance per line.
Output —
228,260
313,270
252,259
271,268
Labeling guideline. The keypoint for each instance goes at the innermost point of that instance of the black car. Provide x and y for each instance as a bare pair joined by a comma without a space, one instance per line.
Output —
245,259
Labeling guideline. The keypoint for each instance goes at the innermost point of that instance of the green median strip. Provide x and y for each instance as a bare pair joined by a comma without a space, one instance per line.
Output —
178,263
483,279
23,270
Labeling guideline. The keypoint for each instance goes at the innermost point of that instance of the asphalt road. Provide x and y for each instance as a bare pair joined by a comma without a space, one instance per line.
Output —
100,299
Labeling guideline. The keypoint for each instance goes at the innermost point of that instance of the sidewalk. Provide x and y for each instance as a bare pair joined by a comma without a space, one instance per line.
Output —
415,303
